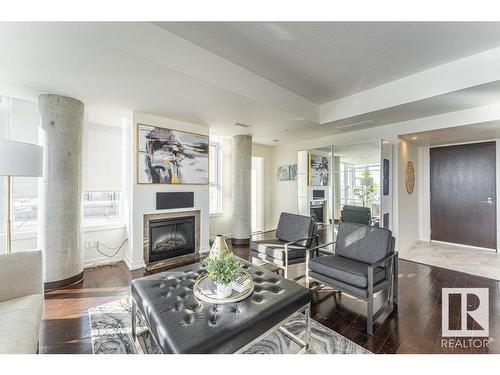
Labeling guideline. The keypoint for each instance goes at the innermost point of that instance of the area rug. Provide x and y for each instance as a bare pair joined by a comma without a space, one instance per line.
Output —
112,334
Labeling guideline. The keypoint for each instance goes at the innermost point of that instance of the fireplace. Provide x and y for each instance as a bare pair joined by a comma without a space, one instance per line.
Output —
169,238
317,210
170,235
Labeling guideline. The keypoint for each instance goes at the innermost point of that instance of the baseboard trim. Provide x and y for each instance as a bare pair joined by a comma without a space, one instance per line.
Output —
134,265
52,285
464,246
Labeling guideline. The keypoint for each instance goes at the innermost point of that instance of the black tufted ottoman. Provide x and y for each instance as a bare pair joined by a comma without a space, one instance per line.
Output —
180,323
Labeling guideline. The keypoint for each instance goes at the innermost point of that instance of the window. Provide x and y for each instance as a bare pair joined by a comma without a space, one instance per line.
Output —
102,174
352,187
19,122
102,207
102,169
215,168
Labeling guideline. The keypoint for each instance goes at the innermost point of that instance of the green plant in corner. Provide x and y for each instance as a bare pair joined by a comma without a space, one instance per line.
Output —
367,191
224,269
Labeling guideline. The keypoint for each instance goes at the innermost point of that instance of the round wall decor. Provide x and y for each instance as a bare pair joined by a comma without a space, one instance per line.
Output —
409,177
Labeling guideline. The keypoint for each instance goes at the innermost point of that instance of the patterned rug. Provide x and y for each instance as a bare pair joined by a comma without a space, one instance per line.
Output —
112,334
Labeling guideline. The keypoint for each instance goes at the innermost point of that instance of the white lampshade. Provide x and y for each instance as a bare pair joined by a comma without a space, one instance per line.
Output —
20,159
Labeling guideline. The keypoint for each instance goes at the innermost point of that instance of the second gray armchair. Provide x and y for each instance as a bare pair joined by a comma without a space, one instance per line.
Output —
364,263
294,234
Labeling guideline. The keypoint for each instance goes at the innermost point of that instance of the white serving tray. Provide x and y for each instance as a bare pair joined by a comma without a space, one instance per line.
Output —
236,296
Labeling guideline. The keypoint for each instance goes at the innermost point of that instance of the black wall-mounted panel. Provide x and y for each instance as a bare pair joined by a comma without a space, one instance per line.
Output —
386,221
165,201
385,170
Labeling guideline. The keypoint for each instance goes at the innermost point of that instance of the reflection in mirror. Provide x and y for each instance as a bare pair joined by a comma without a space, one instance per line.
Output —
356,179
314,184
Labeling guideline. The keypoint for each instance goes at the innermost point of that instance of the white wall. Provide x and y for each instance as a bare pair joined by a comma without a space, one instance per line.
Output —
111,235
265,152
408,204
424,186
284,193
142,197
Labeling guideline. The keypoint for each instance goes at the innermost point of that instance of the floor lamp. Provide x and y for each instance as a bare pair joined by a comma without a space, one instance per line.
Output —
18,159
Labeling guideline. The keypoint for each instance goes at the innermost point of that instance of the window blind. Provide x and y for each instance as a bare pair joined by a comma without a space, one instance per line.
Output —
102,158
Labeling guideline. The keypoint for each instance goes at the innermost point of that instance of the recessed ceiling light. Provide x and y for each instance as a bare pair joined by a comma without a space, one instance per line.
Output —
414,138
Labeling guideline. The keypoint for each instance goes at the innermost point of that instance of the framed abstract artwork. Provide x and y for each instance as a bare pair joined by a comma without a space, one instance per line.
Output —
283,173
319,170
167,156
293,172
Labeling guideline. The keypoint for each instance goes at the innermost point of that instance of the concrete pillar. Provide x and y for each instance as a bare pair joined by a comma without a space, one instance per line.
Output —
59,190
242,189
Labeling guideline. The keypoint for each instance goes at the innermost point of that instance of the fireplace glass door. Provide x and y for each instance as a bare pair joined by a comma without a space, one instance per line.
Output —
169,238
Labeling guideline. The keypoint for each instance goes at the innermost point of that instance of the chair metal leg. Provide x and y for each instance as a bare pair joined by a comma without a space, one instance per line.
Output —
396,280
307,269
285,256
369,310
134,317
307,332
369,315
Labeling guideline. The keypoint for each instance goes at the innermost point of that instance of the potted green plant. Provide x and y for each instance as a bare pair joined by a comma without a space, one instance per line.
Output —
368,188
223,270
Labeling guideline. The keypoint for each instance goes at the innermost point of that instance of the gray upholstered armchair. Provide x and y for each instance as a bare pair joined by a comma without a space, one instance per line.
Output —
294,234
363,263
358,215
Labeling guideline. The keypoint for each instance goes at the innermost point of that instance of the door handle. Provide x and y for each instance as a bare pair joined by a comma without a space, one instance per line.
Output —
490,200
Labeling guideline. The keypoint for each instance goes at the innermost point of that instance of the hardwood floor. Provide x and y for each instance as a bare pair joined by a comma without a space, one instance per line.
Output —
415,327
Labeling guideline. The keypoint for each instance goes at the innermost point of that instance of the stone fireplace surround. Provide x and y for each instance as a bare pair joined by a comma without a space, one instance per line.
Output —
169,215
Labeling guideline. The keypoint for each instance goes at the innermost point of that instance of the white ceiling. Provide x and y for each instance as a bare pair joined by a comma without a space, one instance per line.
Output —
117,68
323,61
460,134
476,96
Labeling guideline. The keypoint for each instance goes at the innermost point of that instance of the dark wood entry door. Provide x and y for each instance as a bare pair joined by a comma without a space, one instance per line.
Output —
463,194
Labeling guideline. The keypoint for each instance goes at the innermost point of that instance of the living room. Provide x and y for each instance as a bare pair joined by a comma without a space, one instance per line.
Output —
240,187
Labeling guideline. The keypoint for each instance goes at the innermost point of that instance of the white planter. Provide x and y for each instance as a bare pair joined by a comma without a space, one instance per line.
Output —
223,291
